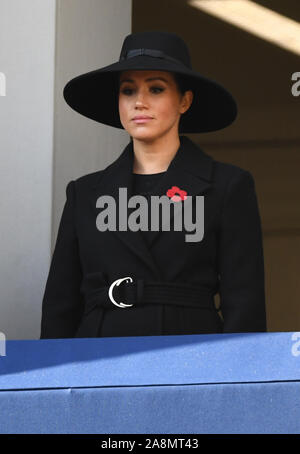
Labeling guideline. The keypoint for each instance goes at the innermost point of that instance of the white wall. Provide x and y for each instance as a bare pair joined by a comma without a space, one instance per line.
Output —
90,34
43,143
27,46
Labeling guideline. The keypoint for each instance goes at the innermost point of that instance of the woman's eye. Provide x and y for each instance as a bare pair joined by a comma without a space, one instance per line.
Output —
126,91
157,89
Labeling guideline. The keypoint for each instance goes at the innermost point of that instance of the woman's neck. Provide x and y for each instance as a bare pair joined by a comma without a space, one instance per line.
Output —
154,157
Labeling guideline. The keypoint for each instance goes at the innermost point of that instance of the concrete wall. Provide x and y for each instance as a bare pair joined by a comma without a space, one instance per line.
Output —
27,51
89,35
43,143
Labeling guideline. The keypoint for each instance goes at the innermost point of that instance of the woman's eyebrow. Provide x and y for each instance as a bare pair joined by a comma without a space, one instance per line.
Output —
147,80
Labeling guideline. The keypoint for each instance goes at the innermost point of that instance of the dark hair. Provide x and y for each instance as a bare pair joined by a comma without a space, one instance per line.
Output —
183,84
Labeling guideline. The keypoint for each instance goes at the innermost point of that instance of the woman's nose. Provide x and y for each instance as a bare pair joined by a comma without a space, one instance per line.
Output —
140,99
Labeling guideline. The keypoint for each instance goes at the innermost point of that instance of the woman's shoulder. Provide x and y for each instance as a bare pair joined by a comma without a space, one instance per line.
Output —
88,180
225,172
228,178
91,179
222,172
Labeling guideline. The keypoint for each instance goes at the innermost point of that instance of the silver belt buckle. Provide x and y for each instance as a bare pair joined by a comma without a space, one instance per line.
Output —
110,292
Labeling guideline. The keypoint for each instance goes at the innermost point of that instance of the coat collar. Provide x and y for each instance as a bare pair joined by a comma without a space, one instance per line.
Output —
191,170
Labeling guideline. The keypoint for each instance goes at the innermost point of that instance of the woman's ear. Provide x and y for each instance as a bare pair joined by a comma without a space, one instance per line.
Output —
187,100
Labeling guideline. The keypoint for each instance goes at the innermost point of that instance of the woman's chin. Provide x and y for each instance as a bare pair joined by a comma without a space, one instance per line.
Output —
143,135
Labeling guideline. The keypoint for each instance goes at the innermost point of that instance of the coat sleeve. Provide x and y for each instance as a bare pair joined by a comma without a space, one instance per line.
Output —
241,261
62,305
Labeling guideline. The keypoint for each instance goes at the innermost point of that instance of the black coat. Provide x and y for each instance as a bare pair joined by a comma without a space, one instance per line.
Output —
228,260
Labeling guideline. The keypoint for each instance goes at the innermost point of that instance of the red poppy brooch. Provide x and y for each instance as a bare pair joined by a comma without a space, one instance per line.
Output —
176,194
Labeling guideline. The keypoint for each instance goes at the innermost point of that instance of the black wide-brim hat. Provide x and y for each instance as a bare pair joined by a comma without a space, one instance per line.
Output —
95,94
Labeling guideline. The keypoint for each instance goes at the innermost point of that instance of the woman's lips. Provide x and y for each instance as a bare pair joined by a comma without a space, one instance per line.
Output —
142,120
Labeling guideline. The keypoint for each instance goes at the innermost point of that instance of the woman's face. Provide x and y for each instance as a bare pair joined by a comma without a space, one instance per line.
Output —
151,94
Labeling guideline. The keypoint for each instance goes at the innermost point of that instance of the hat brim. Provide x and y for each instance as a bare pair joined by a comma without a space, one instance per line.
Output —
95,95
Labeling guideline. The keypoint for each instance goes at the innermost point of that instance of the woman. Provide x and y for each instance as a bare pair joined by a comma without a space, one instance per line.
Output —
123,265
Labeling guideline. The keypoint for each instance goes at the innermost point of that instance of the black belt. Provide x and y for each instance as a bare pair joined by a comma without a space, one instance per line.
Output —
139,293
127,295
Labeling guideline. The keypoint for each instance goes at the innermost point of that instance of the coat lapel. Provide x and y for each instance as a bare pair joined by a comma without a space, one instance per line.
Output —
190,170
